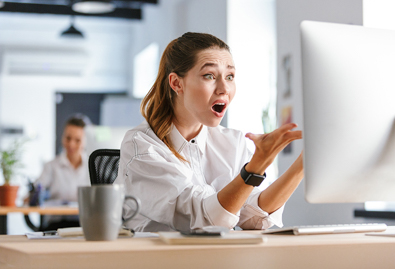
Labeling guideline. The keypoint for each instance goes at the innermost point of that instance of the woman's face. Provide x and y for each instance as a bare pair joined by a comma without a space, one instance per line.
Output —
208,88
73,140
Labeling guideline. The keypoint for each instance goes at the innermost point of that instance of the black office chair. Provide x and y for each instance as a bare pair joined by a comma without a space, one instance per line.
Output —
103,166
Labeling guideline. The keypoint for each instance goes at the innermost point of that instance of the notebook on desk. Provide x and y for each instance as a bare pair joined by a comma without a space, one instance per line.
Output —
329,229
176,238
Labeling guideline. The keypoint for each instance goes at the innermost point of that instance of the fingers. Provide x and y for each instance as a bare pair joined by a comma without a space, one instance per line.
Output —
287,127
255,137
278,139
293,135
282,130
286,132
252,136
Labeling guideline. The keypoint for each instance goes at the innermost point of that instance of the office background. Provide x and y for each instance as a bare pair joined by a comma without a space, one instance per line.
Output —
118,58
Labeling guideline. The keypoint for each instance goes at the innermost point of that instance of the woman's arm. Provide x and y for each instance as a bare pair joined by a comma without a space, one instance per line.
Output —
279,192
267,146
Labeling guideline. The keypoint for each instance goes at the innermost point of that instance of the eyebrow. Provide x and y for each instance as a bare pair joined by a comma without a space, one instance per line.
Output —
215,65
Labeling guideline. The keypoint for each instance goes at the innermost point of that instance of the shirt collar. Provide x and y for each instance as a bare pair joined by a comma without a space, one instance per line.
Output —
179,142
65,161
201,139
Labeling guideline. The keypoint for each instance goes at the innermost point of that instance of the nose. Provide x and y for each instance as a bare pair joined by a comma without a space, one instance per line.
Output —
222,87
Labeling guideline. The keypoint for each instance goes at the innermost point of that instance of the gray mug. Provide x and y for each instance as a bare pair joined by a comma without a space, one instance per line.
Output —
100,211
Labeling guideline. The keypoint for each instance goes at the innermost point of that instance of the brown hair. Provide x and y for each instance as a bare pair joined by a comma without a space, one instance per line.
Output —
179,57
79,120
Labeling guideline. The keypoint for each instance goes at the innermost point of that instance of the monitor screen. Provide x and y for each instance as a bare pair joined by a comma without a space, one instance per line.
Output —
348,75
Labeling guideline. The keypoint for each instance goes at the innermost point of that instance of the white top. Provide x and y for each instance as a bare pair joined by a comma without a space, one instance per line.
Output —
181,196
62,179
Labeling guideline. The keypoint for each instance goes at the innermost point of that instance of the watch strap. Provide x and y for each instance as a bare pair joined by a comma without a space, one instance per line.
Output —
251,178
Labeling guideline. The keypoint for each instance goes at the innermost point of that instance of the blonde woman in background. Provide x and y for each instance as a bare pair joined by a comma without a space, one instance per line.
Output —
62,176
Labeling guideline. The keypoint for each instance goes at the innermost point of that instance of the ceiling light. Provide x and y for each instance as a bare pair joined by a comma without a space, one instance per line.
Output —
93,6
72,32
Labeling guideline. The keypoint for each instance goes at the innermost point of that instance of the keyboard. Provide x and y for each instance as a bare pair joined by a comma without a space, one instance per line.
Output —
330,229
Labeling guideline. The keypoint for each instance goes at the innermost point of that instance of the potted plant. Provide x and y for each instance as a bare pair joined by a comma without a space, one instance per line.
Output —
10,162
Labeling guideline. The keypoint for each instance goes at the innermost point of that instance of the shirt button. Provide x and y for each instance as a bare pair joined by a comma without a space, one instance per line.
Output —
193,141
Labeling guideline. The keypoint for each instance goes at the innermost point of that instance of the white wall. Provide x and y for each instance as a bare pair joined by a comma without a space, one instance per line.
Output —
289,15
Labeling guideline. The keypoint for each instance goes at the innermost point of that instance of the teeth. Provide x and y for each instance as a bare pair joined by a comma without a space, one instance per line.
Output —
218,107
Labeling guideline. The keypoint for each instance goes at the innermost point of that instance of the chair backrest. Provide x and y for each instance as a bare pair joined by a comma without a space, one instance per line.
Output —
103,166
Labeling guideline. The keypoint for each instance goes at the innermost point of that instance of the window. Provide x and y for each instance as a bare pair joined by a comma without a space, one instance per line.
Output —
252,39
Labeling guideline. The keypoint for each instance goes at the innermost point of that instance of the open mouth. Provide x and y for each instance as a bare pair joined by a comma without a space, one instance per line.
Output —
218,107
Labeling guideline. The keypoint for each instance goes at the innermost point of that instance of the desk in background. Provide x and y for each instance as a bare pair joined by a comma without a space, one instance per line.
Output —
354,250
61,210
376,214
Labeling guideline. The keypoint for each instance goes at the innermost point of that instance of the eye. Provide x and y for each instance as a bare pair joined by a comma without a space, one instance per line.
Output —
230,77
209,76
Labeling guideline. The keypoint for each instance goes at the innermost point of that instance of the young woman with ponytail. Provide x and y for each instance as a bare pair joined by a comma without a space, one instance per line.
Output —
188,171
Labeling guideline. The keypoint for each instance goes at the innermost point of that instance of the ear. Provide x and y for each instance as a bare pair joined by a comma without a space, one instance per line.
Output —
175,83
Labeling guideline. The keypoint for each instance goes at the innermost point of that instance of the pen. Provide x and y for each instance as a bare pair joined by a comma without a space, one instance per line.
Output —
47,233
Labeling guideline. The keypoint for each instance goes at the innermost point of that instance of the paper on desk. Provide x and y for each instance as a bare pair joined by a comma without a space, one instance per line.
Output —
77,231
40,235
145,235
389,234
73,232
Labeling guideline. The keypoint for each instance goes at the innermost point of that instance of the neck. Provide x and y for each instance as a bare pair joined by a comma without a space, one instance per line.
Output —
75,160
185,123
188,132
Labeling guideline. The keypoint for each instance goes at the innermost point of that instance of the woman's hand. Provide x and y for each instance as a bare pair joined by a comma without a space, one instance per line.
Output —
233,196
268,146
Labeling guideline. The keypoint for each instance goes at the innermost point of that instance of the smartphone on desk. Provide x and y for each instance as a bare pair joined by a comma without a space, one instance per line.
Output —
206,231
201,233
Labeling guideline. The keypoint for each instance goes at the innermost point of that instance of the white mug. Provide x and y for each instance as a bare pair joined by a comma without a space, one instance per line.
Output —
100,210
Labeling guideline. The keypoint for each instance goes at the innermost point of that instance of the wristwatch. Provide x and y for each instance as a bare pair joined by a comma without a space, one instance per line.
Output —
250,178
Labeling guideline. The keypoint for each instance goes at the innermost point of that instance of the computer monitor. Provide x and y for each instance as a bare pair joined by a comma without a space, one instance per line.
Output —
348,75
103,137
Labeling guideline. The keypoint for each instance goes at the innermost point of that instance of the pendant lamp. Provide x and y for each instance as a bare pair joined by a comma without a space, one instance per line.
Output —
72,32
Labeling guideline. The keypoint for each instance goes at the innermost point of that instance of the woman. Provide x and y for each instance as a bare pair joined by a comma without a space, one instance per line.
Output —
62,176
184,166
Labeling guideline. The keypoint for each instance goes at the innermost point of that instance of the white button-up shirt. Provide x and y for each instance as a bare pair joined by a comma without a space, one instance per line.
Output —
178,195
62,180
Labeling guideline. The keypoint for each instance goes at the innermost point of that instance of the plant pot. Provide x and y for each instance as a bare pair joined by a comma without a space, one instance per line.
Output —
8,195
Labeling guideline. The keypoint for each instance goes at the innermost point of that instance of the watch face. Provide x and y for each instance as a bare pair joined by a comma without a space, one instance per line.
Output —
254,180
251,179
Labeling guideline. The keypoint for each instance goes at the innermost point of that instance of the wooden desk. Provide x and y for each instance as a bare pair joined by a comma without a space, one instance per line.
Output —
279,251
60,210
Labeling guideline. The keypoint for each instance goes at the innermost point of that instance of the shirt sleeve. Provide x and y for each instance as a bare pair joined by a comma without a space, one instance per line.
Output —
252,217
45,177
169,197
